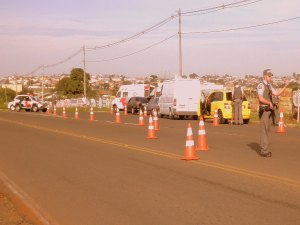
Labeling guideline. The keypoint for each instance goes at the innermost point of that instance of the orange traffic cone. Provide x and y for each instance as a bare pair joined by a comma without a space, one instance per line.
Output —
202,145
216,118
141,119
281,124
155,120
118,117
64,113
111,110
54,112
92,118
125,110
76,114
151,132
190,153
145,111
48,110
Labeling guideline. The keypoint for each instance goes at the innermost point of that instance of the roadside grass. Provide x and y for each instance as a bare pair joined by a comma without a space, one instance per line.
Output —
287,118
68,109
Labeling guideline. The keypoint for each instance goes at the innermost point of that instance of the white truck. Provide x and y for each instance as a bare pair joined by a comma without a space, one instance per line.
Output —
180,98
127,91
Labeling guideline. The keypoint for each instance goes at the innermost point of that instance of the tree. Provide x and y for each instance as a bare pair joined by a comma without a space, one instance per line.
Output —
193,76
9,93
73,86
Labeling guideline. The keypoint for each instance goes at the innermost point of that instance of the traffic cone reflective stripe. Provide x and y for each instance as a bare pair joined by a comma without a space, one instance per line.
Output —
281,124
141,119
111,110
190,153
118,117
151,132
216,119
155,120
54,112
125,110
202,143
76,114
145,111
64,113
92,118
48,110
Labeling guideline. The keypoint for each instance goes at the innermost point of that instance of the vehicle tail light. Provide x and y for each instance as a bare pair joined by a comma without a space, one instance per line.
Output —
249,106
175,102
227,106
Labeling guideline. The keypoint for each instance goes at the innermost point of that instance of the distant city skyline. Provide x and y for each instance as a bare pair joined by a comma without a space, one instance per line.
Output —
34,33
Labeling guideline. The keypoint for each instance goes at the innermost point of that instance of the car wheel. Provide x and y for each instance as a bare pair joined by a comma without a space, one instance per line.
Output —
132,110
18,108
12,108
159,115
246,121
35,108
171,116
115,108
220,115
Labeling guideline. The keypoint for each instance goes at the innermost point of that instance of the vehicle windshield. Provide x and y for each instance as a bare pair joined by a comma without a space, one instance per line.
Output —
36,98
142,99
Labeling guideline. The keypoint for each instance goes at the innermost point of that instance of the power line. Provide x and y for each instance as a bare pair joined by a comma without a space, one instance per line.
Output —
221,8
105,60
63,61
240,28
133,36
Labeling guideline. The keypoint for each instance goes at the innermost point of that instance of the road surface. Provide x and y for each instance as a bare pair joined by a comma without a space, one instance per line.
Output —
71,171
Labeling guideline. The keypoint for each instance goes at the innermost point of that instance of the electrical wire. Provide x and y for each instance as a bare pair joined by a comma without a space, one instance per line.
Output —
133,36
241,28
105,60
226,5
215,10
63,61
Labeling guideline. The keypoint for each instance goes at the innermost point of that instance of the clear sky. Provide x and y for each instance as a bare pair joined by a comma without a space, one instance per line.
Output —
35,32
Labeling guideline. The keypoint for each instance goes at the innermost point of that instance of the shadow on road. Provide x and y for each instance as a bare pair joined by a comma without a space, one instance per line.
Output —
255,147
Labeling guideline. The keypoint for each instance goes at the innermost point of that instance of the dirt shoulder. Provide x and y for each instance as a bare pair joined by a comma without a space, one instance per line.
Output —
13,211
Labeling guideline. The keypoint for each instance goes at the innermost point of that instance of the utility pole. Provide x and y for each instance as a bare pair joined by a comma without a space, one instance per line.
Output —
180,50
16,86
43,82
84,79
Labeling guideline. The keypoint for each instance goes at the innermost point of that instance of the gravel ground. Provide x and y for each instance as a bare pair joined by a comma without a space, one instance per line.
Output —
10,214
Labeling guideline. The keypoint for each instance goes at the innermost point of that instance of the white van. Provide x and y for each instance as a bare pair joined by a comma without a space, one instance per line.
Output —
180,98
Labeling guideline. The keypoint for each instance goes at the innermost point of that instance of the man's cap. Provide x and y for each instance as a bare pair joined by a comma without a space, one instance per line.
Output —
268,72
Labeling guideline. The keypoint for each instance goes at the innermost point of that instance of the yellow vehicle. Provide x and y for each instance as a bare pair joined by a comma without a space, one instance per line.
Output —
222,101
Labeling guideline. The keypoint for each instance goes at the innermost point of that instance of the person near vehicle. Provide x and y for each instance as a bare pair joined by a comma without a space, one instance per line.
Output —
53,99
275,115
265,92
237,96
84,103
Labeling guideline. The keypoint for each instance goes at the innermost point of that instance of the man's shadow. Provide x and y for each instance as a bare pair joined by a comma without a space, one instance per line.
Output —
255,147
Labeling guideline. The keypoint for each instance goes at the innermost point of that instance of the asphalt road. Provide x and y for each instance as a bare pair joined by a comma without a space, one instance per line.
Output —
99,172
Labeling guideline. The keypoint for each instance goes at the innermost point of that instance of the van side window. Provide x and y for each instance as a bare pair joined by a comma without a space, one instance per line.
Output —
218,96
125,94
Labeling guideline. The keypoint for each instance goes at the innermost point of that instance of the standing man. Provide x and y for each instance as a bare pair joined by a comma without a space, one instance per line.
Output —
265,92
275,115
53,99
237,96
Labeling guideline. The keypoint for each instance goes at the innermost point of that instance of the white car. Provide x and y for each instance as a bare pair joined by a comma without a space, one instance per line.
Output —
27,102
